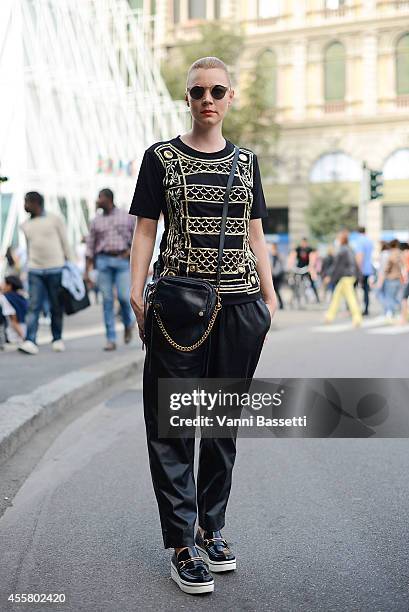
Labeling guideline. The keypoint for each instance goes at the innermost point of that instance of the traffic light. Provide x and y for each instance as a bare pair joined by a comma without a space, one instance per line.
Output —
375,184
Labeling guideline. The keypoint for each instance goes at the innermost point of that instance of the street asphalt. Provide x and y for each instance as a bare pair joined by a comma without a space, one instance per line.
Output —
84,339
317,524
298,345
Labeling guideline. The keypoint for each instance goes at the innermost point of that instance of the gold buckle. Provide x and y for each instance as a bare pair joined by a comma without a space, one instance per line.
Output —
183,563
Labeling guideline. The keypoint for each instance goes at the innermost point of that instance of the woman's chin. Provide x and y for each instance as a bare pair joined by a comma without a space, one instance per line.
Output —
209,119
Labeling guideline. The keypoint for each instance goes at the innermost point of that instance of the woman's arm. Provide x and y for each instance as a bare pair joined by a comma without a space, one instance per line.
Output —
143,243
259,248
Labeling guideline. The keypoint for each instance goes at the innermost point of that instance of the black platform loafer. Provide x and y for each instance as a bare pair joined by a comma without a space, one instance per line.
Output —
215,551
190,572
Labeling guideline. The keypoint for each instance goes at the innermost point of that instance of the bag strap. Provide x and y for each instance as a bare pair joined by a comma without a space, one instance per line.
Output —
224,215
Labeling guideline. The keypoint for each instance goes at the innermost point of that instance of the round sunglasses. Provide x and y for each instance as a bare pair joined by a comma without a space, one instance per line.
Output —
217,92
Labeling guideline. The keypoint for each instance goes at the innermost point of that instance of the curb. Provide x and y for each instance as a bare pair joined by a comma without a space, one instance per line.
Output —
22,415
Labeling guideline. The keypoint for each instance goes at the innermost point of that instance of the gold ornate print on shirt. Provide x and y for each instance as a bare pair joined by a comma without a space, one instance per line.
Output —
194,193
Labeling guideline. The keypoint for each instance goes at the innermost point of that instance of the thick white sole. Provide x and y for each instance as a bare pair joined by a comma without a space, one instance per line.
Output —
187,587
216,566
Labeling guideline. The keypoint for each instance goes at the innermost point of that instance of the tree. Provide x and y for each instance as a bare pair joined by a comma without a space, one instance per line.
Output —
250,121
328,212
214,40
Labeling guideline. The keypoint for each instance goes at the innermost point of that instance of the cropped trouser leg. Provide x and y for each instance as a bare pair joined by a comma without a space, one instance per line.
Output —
234,348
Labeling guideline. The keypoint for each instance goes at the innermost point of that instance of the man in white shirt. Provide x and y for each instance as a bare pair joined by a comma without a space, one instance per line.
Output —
48,249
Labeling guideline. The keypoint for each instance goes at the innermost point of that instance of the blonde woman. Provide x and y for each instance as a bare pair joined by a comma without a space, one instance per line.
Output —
185,178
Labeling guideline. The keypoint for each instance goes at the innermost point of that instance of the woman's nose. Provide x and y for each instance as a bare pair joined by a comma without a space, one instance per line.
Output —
207,97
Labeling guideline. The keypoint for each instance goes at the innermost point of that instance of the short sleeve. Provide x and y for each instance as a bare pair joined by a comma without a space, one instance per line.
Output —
259,207
149,195
6,307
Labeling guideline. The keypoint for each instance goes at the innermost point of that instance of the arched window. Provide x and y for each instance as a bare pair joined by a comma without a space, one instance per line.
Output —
267,69
336,166
396,167
402,65
334,72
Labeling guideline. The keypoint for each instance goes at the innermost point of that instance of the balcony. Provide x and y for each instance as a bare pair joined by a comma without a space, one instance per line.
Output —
334,107
392,5
340,12
402,101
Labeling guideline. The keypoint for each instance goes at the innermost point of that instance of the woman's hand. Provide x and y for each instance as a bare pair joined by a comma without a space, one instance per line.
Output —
272,306
138,308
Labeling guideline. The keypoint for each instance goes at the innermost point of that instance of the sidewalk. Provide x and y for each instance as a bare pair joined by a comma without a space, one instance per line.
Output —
35,389
84,337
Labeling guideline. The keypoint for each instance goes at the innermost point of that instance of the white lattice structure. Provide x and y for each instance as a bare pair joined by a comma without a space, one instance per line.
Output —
79,94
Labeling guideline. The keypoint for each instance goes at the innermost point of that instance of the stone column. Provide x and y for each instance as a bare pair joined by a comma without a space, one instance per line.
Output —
369,72
299,75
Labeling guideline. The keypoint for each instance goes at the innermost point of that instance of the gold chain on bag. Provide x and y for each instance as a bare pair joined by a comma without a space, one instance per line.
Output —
192,347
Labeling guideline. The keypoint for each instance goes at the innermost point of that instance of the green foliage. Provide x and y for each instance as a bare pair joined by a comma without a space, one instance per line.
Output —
215,40
328,213
250,122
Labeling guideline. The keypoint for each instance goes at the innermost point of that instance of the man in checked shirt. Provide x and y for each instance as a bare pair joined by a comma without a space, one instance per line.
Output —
108,249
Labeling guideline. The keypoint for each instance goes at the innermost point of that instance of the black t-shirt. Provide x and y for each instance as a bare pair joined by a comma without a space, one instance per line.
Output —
188,186
303,256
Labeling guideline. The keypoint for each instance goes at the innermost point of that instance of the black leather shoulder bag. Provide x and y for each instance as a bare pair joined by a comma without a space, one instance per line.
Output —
185,308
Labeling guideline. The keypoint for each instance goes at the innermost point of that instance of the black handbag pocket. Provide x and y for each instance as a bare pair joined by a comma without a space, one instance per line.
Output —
184,305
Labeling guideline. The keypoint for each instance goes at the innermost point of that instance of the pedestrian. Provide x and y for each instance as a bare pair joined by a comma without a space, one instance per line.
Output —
382,259
48,249
326,271
364,249
108,250
391,278
14,306
186,178
305,256
343,277
405,293
277,271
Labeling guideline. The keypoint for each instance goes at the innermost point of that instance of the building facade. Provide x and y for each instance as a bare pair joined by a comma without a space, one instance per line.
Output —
339,82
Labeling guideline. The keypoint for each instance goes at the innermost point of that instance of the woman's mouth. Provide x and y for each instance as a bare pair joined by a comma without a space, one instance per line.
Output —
208,112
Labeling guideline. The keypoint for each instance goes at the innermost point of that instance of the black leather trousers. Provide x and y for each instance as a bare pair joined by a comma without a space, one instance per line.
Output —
232,351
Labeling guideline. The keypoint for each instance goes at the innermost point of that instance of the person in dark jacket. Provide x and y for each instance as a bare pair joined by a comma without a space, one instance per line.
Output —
343,277
277,271
326,271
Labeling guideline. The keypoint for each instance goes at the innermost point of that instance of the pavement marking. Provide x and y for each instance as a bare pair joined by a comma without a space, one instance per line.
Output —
74,334
377,325
45,337
393,330
333,328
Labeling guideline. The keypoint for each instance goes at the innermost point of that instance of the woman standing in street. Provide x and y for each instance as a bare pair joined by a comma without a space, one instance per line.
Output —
343,276
186,178
277,271
391,278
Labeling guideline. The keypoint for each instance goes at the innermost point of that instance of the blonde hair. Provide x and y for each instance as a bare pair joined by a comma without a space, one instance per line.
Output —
208,62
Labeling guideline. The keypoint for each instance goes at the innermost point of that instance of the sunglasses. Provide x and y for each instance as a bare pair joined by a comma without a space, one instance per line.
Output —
217,92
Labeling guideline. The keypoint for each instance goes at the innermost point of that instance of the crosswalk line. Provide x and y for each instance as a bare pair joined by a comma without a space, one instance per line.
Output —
377,325
393,330
333,328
